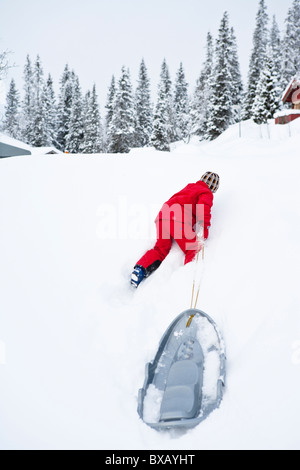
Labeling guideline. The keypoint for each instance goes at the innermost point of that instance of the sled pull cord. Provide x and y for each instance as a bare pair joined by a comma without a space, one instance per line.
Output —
200,279
193,290
201,247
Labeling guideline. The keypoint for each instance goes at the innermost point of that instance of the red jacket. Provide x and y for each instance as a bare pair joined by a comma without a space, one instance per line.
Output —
191,205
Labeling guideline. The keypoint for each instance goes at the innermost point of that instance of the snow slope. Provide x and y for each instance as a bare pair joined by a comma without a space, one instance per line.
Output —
74,337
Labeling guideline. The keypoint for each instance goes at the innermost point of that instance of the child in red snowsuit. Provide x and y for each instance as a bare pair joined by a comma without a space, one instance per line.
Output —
177,220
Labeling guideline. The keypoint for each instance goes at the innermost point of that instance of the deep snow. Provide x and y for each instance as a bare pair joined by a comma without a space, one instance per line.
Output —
75,338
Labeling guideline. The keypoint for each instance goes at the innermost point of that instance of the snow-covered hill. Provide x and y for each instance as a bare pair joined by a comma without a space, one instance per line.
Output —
74,337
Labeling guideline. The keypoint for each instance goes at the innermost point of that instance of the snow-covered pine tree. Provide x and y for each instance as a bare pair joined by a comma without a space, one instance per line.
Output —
199,105
109,110
38,129
64,107
220,110
11,124
163,127
236,79
27,105
143,109
257,59
110,101
120,134
93,136
276,51
96,127
86,144
266,102
49,113
291,44
75,135
181,105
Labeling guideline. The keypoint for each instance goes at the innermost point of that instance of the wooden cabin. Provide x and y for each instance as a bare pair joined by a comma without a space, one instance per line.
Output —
290,96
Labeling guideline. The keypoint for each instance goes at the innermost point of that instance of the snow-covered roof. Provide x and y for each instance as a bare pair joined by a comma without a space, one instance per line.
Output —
5,139
44,150
287,112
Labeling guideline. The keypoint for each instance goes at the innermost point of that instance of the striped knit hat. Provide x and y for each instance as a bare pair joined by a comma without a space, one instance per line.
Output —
212,180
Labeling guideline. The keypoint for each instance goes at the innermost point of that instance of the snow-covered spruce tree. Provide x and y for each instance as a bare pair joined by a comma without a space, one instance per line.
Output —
109,110
236,79
75,135
64,108
181,105
291,44
110,101
143,109
86,104
11,123
120,133
266,102
49,113
276,51
163,126
86,145
220,110
93,135
199,105
38,123
257,59
27,104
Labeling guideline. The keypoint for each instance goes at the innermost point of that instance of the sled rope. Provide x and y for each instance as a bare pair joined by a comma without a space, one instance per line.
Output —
200,248
200,279
194,280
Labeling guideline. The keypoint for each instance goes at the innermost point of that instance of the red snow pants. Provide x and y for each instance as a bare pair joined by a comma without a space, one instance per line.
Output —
167,230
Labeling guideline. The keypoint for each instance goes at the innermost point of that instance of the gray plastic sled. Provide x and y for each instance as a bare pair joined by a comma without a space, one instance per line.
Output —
184,383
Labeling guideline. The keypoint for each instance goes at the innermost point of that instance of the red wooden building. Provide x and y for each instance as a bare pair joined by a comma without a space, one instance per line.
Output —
291,95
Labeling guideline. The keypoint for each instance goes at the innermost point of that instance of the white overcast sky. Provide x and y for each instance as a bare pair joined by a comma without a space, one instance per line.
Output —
97,37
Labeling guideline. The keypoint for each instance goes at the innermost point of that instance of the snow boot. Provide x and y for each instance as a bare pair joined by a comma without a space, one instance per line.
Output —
137,275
